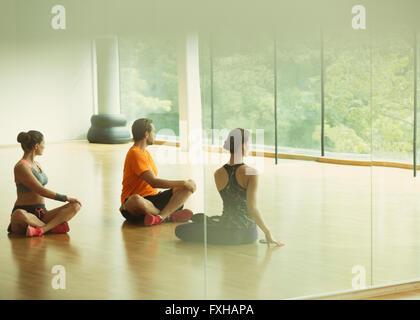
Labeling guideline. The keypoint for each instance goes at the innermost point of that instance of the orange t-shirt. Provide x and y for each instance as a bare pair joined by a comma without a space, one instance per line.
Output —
137,162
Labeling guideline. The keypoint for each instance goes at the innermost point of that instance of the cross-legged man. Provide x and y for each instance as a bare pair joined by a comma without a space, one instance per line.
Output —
140,199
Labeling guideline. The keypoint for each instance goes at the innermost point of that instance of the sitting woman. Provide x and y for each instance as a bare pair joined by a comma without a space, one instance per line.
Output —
237,184
29,215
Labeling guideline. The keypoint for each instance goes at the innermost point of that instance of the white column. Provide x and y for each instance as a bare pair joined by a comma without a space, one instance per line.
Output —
109,125
189,95
108,75
190,124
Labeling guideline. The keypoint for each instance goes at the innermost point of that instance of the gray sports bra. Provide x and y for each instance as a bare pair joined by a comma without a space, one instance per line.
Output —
40,176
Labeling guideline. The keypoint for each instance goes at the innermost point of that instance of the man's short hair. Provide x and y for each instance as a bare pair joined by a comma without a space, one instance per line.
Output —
140,127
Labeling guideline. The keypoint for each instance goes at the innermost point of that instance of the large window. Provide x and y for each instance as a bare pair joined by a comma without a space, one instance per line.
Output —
347,94
298,92
393,92
149,82
238,84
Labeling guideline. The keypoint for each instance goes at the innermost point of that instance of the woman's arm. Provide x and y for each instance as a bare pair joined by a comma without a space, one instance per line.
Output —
24,176
251,200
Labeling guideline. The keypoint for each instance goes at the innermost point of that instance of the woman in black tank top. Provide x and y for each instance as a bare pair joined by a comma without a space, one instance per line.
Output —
237,185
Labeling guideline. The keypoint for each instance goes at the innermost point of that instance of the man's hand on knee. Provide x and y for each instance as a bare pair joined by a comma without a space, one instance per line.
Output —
190,185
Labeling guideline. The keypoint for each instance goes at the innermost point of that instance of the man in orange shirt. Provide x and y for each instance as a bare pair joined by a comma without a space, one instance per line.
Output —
141,201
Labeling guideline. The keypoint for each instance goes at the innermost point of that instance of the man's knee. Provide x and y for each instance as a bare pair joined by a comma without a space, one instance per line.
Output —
135,198
136,202
184,190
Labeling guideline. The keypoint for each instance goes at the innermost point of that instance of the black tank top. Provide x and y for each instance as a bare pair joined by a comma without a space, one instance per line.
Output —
235,210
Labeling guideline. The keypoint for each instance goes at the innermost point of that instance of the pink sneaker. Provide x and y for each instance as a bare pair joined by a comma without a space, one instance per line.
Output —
34,231
151,220
61,228
181,216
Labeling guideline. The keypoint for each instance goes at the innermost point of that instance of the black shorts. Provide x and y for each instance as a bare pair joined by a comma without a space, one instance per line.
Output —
39,210
159,200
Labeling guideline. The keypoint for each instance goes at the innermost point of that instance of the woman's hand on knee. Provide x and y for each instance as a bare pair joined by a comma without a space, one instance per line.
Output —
74,200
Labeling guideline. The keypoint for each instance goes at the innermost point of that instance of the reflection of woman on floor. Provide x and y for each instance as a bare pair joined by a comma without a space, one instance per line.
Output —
237,184
35,283
29,215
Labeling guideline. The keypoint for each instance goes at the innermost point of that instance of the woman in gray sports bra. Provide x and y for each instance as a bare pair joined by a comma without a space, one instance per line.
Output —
29,215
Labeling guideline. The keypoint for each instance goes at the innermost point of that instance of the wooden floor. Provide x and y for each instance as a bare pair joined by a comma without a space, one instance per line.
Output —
410,295
331,217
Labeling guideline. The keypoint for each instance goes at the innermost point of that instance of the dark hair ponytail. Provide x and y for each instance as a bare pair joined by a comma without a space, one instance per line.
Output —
29,139
235,139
